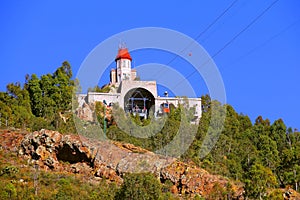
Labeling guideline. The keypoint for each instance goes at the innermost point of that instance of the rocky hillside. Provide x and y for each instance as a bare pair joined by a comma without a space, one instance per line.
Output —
53,151
109,160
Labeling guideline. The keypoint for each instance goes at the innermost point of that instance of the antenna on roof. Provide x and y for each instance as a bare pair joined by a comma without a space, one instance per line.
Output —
123,45
120,43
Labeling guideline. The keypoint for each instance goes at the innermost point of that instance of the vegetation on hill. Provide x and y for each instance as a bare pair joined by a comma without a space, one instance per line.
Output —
104,89
43,102
262,155
22,179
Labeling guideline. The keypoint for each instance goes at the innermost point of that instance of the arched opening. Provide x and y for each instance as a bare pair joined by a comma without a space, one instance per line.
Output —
139,101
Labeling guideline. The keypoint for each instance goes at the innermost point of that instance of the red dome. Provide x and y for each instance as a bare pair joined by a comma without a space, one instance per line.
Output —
123,54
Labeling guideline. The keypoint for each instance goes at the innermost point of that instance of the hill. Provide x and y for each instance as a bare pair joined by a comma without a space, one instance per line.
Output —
51,152
261,158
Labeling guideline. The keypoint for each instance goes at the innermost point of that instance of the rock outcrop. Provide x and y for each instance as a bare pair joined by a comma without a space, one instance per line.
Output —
111,160
86,112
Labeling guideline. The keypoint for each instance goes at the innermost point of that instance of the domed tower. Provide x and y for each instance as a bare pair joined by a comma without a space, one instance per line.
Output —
123,62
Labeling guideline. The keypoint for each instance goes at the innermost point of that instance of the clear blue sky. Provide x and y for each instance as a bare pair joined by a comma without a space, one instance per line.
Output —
260,68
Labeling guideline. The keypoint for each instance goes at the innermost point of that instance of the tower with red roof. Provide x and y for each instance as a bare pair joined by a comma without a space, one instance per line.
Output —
123,69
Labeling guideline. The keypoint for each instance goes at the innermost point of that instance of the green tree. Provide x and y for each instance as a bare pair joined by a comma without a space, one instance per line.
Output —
8,192
51,98
19,101
5,112
64,86
139,186
65,190
35,94
258,179
278,133
268,152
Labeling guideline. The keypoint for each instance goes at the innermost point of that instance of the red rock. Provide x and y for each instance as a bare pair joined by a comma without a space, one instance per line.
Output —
110,160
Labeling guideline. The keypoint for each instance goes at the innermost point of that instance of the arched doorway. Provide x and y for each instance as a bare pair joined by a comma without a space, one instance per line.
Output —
139,101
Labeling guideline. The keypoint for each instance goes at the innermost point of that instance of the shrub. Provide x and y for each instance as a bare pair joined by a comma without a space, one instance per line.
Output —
140,186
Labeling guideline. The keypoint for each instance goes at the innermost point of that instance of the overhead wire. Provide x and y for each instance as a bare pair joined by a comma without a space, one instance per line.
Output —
202,32
231,40
268,40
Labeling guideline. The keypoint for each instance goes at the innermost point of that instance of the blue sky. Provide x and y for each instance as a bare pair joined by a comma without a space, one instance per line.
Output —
260,68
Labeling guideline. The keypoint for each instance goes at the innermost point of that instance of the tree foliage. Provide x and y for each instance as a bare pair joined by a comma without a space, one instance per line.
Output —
140,186
40,102
263,155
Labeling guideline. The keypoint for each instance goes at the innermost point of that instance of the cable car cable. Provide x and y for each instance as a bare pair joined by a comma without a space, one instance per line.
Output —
232,39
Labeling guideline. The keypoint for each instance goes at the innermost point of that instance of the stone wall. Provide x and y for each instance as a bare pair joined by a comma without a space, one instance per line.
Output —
108,97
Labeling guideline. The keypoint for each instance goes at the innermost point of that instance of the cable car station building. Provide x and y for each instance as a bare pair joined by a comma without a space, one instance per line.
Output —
135,96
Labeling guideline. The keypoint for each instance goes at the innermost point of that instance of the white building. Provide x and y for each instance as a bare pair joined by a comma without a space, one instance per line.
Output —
135,96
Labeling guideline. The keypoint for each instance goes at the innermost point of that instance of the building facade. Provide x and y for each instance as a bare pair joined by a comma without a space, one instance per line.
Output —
136,96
